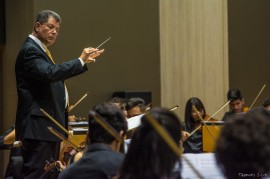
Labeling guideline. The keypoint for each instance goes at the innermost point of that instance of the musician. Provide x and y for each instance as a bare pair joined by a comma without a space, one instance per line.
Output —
266,104
121,103
192,120
148,155
243,148
15,160
236,104
135,107
102,158
40,84
7,139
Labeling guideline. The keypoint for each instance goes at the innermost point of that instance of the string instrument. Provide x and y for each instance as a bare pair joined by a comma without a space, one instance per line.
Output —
203,123
73,150
200,125
206,118
246,109
72,154
50,165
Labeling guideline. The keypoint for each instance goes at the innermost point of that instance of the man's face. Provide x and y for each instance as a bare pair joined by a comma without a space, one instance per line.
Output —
47,32
237,105
135,111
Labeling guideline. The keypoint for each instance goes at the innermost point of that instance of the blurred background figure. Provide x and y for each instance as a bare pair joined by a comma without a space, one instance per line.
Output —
121,103
236,104
266,104
135,107
243,149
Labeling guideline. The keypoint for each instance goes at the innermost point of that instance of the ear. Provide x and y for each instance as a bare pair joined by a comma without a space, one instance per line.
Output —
37,26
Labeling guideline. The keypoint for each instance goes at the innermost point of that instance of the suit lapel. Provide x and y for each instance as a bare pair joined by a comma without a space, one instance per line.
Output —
44,53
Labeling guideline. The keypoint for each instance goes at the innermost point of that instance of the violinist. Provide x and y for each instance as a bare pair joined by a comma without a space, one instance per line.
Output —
102,158
7,141
192,120
121,103
236,104
70,156
135,107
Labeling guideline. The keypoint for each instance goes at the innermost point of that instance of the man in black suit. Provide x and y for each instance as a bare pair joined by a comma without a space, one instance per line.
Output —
40,84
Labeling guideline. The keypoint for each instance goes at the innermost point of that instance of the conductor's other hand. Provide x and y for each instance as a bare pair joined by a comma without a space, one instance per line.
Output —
89,54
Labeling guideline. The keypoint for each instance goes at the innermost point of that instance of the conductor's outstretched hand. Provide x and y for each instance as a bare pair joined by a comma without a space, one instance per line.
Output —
89,54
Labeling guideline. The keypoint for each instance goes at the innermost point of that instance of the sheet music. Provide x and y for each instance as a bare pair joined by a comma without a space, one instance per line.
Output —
134,122
205,163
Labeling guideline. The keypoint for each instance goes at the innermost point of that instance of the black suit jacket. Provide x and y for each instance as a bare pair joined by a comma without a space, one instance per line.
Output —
40,84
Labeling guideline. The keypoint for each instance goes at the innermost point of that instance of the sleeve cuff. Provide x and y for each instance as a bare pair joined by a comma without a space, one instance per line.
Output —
82,62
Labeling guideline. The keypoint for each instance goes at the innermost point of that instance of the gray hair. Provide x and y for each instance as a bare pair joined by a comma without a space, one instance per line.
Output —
44,15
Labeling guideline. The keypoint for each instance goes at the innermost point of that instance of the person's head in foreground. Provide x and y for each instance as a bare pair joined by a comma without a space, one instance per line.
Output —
148,155
243,149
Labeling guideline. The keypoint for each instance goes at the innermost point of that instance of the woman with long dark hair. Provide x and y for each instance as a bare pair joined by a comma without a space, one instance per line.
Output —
148,155
193,144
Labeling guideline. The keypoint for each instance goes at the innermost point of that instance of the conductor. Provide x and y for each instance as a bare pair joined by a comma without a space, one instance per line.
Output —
40,84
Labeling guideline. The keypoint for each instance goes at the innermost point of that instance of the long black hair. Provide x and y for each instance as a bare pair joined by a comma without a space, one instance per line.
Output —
148,155
189,121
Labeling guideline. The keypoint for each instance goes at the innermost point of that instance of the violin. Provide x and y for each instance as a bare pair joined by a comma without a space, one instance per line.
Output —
52,164
245,109
68,158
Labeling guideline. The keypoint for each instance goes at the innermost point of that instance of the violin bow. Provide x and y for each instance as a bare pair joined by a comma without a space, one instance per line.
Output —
209,118
173,108
166,137
148,106
203,122
106,126
74,105
257,96
59,125
60,136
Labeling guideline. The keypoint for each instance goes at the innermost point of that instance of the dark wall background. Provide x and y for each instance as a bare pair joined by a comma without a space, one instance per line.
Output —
2,22
131,58
249,47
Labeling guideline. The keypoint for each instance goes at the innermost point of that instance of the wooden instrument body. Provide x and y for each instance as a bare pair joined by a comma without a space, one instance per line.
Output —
209,143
